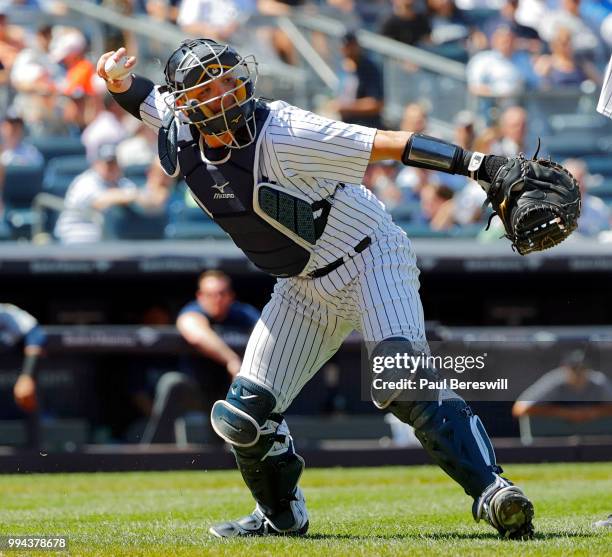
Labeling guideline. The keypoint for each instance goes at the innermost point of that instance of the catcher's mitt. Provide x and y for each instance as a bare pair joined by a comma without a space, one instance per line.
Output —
537,200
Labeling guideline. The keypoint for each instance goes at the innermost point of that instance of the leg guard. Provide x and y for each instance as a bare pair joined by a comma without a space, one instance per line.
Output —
455,438
264,453
271,469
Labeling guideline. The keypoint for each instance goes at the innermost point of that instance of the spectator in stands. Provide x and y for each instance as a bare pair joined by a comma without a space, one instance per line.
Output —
380,178
568,16
99,188
360,99
14,150
69,49
465,129
342,10
527,38
407,23
11,40
560,68
415,118
114,37
35,77
513,136
595,215
496,72
572,392
436,205
448,23
106,127
207,376
38,54
163,10
220,20
139,146
21,337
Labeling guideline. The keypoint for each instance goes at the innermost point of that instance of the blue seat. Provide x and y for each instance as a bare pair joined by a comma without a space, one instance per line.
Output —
136,170
572,144
21,185
130,223
190,223
423,231
137,173
407,211
599,164
603,190
57,146
61,171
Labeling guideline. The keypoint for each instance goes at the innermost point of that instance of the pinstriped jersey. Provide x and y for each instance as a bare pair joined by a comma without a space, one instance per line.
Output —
317,158
605,98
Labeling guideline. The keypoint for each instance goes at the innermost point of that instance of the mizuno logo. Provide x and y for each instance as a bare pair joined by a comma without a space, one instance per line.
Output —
222,194
221,187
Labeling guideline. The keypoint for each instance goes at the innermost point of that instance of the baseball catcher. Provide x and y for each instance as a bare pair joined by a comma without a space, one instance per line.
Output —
286,186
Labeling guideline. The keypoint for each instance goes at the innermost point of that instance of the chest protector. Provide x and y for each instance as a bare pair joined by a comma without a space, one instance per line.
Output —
278,233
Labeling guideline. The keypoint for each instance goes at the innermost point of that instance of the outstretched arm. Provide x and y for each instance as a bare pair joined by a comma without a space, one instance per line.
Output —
538,201
435,154
135,94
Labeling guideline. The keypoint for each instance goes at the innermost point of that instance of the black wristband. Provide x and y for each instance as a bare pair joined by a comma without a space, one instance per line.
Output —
30,365
131,99
428,152
480,167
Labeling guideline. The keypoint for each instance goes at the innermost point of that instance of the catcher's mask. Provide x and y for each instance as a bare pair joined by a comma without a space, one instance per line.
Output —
189,71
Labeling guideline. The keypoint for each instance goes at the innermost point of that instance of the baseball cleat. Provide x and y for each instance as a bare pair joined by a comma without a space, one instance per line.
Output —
606,523
258,524
508,510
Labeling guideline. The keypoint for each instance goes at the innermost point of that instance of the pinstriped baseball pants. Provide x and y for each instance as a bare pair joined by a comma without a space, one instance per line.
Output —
306,320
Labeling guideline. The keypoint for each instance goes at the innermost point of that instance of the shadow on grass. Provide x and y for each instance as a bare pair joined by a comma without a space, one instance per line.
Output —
449,536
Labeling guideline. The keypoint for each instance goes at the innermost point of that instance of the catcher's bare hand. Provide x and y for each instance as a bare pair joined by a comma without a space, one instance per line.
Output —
116,85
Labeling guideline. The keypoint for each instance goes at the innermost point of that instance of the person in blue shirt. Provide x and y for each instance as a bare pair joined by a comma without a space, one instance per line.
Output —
22,340
205,375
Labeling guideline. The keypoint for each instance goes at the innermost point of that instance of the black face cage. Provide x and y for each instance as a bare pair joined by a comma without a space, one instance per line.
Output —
194,66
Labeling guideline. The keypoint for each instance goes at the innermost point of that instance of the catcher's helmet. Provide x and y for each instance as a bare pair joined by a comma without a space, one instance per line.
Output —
194,65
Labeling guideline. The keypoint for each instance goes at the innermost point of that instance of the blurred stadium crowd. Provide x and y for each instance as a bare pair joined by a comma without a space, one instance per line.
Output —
75,168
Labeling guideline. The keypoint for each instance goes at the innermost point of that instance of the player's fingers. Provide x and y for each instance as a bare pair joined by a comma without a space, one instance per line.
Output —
131,62
101,62
119,53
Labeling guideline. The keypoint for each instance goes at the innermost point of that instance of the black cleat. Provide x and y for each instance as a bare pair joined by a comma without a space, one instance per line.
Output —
258,524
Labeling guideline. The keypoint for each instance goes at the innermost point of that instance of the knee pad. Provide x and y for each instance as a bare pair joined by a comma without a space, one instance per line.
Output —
389,371
239,418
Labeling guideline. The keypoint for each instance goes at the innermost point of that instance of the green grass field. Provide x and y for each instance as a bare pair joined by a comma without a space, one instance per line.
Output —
367,511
